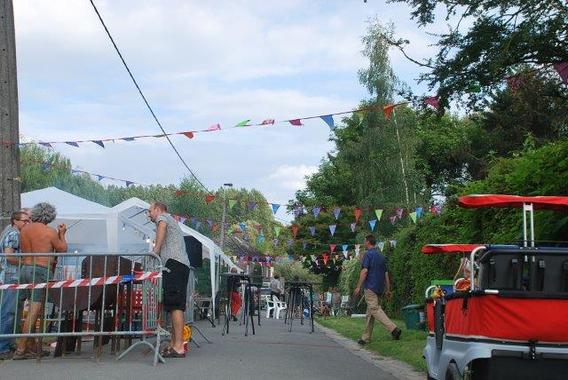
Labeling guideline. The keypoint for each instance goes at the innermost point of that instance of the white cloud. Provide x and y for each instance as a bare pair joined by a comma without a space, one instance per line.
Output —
292,177
199,63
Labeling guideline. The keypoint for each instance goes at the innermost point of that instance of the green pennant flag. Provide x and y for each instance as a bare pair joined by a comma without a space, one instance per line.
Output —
277,231
378,213
413,216
232,203
243,123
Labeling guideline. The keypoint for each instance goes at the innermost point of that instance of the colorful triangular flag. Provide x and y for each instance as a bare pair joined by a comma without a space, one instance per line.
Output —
243,123
379,213
316,211
329,121
353,225
332,228
296,122
336,212
232,203
99,143
72,143
312,230
413,216
275,207
372,224
357,212
277,230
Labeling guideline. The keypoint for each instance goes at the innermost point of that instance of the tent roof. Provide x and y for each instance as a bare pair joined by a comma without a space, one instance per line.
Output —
65,203
133,210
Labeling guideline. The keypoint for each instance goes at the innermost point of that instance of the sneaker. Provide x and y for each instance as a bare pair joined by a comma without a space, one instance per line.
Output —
396,333
361,342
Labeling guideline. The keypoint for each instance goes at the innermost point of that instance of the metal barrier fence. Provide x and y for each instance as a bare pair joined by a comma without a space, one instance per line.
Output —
107,296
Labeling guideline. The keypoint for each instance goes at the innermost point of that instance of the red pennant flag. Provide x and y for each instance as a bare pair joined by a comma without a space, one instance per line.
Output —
296,122
387,110
433,101
267,122
562,70
214,127
180,193
294,231
215,227
332,247
209,198
357,213
325,258
189,135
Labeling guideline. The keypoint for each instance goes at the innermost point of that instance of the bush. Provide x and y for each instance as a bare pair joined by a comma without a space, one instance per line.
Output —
537,172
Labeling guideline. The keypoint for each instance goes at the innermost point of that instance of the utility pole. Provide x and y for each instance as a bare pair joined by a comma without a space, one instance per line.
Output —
9,134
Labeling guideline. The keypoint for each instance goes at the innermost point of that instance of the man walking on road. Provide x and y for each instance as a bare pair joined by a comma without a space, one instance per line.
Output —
170,246
374,275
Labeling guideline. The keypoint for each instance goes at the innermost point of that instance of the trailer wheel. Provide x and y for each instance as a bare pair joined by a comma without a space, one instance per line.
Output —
453,372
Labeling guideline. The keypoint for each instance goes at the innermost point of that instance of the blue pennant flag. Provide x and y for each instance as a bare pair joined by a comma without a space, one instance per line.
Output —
419,212
243,226
72,143
344,247
260,239
197,224
47,145
99,143
336,212
316,211
129,183
45,166
332,228
99,177
329,121
275,207
372,224
312,230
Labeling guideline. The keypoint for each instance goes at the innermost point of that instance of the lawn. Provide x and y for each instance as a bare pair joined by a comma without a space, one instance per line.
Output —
408,349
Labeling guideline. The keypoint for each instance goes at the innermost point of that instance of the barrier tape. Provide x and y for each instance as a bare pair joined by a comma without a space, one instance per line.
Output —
97,281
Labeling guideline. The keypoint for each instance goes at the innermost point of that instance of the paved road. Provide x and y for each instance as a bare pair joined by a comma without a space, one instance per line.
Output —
273,353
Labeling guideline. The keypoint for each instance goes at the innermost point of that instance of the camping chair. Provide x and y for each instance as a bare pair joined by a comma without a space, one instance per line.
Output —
279,305
270,306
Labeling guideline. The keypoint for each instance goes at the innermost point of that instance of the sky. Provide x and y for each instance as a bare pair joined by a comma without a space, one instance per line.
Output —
199,63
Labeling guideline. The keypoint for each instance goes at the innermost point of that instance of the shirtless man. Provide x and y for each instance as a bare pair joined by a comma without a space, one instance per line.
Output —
37,237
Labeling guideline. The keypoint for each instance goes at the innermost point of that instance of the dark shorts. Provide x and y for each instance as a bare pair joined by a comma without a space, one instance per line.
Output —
174,284
33,274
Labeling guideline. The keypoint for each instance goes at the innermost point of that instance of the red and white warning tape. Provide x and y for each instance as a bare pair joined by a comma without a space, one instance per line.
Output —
97,281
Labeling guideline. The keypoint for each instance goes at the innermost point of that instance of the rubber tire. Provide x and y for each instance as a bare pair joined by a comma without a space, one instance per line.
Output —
452,373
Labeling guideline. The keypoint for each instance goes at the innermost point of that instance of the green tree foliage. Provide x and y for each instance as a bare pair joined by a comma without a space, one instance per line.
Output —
542,171
489,40
42,168
289,269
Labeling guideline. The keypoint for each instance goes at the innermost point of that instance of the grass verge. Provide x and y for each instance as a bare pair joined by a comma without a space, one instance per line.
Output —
408,349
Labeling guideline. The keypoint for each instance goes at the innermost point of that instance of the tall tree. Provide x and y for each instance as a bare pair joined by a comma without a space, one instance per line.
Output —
488,41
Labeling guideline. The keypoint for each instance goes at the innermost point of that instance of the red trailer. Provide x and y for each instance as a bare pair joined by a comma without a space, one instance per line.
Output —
512,323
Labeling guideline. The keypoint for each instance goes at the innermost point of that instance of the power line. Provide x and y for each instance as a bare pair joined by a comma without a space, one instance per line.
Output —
144,98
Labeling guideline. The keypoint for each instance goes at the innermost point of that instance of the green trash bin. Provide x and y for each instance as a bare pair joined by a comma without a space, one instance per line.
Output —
414,317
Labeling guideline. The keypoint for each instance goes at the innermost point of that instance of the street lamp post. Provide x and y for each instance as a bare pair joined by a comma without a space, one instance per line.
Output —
225,186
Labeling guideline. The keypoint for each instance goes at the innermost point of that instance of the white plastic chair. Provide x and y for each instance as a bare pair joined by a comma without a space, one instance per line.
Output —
270,306
280,306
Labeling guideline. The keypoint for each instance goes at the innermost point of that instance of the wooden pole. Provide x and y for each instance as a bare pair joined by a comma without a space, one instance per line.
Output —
9,132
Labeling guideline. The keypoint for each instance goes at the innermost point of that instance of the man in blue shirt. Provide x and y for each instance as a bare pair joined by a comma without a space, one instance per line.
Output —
375,276
10,243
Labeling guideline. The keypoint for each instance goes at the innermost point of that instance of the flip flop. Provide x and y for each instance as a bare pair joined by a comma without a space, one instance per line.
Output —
22,356
173,354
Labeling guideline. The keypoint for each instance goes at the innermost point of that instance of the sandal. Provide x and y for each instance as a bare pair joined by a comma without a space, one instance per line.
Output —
23,356
173,354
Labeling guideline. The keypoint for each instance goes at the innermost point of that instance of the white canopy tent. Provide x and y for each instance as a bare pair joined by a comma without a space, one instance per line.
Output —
124,228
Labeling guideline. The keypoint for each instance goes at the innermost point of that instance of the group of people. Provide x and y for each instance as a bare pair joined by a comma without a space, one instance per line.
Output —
28,232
